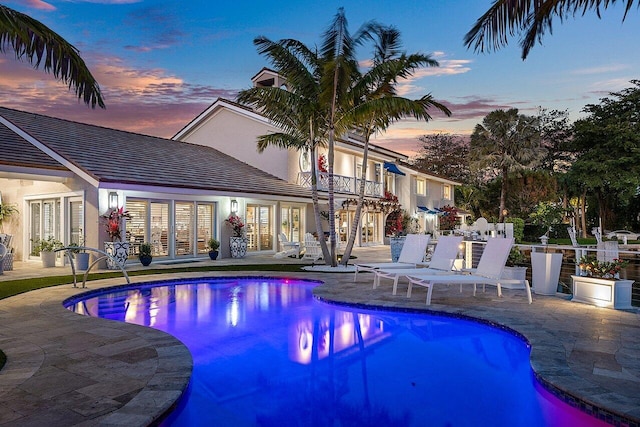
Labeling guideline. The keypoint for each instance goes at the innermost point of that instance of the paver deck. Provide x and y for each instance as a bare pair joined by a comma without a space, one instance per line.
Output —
64,369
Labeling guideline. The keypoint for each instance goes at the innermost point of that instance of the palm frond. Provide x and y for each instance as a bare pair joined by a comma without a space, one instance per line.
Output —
506,18
39,45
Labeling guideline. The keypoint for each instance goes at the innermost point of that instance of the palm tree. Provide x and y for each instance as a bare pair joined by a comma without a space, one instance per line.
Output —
505,142
327,97
374,99
33,41
531,17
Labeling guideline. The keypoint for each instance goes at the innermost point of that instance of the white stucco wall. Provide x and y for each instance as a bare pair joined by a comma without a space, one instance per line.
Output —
236,135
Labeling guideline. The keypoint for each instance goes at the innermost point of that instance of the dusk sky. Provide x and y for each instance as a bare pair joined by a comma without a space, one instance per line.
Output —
160,63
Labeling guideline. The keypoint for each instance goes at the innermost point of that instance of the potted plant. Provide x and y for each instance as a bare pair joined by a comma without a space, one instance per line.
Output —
144,254
6,211
237,242
116,248
599,283
46,250
80,256
213,246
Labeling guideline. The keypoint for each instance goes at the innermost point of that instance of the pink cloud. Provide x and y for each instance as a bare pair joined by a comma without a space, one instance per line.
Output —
144,101
39,4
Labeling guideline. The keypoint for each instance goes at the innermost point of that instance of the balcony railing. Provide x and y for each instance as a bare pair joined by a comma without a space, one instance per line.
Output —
342,184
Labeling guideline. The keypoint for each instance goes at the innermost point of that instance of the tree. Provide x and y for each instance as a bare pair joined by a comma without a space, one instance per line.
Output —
444,155
607,142
529,17
296,109
373,103
328,97
34,42
505,142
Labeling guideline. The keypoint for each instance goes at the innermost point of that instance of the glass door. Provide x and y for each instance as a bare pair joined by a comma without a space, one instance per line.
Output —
290,222
259,225
137,226
76,221
369,228
205,226
44,216
159,228
185,224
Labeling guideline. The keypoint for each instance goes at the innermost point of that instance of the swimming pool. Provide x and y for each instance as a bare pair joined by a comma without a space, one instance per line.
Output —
267,353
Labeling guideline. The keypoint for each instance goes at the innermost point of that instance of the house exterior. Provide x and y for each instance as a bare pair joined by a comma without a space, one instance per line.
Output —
233,129
64,176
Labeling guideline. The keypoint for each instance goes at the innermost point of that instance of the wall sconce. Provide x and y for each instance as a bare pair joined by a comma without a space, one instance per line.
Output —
234,206
113,199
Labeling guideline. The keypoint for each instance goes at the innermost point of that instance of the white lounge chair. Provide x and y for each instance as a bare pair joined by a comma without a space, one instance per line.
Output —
489,271
312,249
413,252
442,259
288,248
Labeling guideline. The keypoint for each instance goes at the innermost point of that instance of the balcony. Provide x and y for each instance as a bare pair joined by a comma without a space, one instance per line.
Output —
342,184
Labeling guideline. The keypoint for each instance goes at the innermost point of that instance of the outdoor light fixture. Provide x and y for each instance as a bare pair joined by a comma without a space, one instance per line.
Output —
113,199
234,206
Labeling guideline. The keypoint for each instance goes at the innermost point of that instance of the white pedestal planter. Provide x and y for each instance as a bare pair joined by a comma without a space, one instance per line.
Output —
119,251
514,273
610,293
48,259
545,272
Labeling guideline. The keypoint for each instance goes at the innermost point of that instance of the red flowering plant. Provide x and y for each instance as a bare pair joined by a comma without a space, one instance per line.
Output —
236,224
590,266
113,222
322,163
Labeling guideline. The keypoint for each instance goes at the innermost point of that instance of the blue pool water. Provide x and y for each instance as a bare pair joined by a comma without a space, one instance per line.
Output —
267,353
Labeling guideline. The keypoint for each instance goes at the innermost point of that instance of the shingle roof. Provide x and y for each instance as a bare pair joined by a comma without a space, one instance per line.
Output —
116,156
15,151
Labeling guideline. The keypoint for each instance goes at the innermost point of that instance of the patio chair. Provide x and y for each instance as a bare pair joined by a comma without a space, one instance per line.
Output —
288,248
489,271
442,259
413,252
312,249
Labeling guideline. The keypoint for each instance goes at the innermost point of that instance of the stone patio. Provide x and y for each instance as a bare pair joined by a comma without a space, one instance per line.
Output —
64,369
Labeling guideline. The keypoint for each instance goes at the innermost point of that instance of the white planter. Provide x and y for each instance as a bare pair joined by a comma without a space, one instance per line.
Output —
610,293
545,272
514,273
48,259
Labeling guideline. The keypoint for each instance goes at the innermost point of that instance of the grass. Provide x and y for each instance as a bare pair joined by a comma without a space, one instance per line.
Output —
14,287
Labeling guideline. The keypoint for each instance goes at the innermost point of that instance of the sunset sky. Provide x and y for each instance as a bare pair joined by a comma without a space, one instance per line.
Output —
160,63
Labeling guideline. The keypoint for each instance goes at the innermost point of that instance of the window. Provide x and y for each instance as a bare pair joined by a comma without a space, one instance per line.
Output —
421,186
389,181
446,192
378,172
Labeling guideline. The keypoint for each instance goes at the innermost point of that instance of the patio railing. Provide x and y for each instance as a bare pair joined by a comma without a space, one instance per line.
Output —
342,184
570,255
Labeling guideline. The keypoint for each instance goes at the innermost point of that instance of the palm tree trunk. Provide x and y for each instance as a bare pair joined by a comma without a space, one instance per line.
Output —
503,194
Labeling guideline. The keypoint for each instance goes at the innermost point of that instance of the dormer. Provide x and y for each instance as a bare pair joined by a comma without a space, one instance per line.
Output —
268,78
